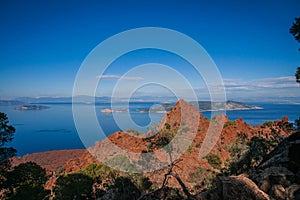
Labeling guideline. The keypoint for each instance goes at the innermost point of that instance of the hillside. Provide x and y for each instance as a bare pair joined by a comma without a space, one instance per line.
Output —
210,151
191,159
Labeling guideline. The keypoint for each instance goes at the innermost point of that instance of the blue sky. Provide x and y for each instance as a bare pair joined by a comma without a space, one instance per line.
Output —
43,43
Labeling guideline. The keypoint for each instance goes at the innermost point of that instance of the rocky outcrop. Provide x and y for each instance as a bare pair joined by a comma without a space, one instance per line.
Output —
277,177
234,187
279,174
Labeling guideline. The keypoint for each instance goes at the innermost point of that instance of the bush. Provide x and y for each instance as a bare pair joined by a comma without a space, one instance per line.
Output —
99,172
257,148
28,180
203,177
125,189
267,124
214,160
168,126
229,123
73,186
297,123
120,162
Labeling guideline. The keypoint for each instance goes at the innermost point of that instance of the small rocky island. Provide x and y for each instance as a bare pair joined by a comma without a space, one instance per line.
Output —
31,107
107,110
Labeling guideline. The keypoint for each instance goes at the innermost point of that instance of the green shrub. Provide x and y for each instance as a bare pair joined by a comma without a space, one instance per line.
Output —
203,177
120,162
168,126
267,124
229,123
73,186
214,160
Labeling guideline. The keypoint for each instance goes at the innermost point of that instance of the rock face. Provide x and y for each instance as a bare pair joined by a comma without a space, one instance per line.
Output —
279,174
277,177
235,187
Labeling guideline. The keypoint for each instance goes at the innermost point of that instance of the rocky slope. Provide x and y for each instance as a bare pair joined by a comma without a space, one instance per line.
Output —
214,136
50,160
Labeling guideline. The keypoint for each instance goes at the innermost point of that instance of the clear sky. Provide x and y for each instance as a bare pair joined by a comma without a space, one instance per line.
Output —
43,43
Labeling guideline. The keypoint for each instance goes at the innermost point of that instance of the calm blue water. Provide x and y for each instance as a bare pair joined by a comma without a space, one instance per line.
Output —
53,128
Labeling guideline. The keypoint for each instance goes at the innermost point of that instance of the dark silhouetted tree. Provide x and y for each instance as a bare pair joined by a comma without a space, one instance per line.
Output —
295,31
27,181
298,75
126,189
6,135
73,187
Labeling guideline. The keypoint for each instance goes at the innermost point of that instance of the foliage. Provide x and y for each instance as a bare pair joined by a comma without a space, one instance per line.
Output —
238,150
141,182
267,124
27,181
297,75
229,123
168,126
214,160
203,177
257,150
75,186
165,138
101,172
120,162
6,135
286,126
295,29
126,189
297,123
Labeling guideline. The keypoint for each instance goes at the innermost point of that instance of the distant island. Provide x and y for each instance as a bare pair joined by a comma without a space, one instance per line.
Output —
204,106
162,108
217,106
107,110
31,107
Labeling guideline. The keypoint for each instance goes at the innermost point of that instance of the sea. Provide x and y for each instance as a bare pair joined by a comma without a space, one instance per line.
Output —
54,128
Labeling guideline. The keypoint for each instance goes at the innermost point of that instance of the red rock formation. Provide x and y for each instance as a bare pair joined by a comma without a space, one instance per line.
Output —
203,135
182,115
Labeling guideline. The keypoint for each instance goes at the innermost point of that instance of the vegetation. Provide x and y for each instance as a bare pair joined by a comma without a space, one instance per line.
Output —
267,124
295,31
168,126
214,160
203,178
26,181
120,162
247,155
6,135
126,189
229,123
297,123
75,186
